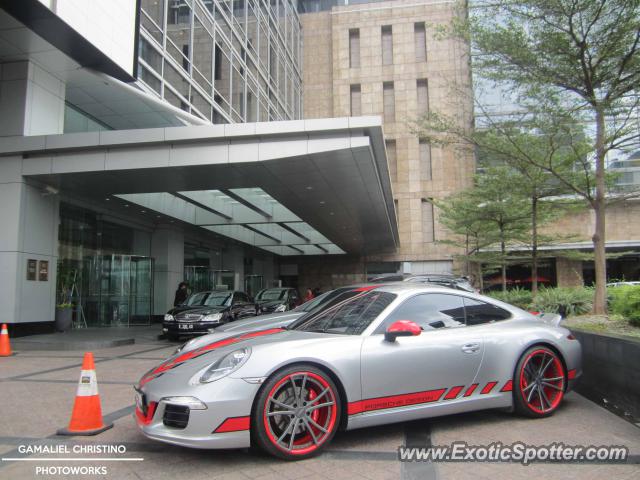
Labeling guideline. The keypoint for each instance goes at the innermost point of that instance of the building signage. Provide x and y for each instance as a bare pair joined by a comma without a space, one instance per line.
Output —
43,271
32,267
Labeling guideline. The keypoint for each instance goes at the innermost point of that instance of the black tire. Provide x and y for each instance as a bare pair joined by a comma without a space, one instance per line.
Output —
539,382
320,406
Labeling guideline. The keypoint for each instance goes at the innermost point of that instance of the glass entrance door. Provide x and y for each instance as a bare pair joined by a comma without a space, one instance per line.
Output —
119,290
253,284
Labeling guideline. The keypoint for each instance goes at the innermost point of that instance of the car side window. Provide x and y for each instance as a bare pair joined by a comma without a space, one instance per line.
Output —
237,298
479,312
430,310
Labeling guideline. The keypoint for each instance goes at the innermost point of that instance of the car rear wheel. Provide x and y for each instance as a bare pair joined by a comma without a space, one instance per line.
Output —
539,382
297,413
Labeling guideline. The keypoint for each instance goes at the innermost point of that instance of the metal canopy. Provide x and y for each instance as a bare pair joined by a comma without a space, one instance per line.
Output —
312,187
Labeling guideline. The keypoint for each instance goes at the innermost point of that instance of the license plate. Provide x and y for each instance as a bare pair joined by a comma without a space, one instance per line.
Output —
185,326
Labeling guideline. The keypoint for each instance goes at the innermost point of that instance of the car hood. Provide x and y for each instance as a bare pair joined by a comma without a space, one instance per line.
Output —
200,310
269,303
187,363
183,308
258,323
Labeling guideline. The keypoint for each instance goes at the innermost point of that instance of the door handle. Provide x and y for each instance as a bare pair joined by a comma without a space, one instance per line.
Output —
470,347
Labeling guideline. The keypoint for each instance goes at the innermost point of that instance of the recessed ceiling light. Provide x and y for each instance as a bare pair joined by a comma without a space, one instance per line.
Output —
330,213
309,187
107,199
143,211
126,204
322,202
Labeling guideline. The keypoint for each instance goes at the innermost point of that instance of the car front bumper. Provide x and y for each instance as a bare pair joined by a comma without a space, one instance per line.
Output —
188,328
223,424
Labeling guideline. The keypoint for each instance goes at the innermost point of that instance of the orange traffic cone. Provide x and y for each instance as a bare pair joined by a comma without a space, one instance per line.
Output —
5,345
86,418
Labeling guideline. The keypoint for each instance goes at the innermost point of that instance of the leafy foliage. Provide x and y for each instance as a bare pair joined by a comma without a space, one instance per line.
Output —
520,297
565,301
625,301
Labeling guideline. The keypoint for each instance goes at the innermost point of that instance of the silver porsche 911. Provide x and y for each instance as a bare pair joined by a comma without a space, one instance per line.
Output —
389,354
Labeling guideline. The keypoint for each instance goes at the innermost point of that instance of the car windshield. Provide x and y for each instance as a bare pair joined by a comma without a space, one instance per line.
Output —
315,302
217,299
197,299
348,317
271,294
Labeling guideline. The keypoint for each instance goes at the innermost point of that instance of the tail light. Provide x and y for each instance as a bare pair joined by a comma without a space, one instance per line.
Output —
571,337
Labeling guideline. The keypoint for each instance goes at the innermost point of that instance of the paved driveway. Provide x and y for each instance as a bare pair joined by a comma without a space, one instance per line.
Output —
37,390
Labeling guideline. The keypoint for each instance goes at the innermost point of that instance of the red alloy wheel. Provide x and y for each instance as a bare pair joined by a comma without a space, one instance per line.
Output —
300,413
541,381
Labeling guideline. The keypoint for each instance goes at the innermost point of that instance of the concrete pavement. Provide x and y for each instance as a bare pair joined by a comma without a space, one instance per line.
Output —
37,390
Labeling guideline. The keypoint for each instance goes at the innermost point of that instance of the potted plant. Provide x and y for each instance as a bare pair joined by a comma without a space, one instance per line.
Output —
64,307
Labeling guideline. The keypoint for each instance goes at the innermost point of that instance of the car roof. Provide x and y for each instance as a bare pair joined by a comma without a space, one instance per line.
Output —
408,287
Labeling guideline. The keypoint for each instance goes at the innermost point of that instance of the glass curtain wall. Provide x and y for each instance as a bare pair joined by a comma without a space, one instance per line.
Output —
223,60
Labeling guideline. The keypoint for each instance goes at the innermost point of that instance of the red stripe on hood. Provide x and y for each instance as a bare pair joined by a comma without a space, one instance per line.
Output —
179,360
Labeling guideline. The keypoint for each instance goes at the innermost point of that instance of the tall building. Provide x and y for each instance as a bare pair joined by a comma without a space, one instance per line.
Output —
386,59
146,143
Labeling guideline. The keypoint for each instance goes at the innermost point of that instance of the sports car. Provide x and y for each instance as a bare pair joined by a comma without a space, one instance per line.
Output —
389,354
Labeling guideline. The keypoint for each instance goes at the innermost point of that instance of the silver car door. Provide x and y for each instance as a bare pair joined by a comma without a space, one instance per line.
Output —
440,364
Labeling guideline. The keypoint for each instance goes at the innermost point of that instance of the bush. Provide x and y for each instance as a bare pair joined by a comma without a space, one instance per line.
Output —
625,301
520,297
565,301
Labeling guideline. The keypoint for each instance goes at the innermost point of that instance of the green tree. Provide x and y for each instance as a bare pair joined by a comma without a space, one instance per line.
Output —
492,213
567,59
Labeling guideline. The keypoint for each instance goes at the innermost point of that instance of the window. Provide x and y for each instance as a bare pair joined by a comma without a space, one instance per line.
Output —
420,40
354,48
392,160
356,105
431,311
387,45
428,228
422,103
350,317
478,312
425,160
389,102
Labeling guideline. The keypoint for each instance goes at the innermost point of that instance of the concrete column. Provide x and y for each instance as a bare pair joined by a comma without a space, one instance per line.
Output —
31,100
29,232
569,272
167,249
31,103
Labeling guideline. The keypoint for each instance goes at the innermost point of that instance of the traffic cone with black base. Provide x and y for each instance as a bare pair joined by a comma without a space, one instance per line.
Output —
5,345
86,418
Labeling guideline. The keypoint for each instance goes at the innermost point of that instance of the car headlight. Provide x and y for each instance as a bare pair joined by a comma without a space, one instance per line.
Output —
168,317
281,308
214,317
222,367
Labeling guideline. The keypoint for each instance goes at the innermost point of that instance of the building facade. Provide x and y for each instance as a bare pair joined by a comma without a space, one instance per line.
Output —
385,58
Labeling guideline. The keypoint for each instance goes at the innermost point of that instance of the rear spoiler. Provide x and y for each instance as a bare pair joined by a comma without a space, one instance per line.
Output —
552,319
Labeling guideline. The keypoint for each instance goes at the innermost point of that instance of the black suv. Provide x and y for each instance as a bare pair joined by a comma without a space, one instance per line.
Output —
204,311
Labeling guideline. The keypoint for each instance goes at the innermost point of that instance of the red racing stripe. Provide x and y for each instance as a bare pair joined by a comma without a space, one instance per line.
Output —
454,392
507,386
470,390
151,410
571,374
488,387
163,367
234,424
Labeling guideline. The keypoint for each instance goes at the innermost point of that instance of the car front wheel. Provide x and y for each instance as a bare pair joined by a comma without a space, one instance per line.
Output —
539,382
297,413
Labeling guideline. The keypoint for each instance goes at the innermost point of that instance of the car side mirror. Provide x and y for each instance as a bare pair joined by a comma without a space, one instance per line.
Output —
402,328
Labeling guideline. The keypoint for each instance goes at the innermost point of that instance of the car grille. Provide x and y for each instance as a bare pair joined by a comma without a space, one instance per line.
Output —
189,317
176,416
